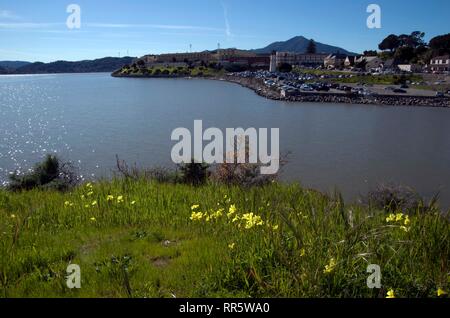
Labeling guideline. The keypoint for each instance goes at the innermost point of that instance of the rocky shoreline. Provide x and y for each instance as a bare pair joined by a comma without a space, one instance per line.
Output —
259,88
387,100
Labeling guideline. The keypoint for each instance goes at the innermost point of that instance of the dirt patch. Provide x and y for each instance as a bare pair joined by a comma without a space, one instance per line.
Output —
161,262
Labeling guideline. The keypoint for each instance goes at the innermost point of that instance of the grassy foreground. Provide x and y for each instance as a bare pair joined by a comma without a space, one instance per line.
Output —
141,239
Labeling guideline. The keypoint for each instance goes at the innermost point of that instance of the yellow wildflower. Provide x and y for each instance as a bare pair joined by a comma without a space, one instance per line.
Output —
196,216
83,197
92,219
110,198
133,202
232,246
390,294
407,221
13,216
390,218
440,292
94,203
275,227
252,220
235,219
330,267
231,211
89,185
404,228
90,193
86,206
302,252
195,207
398,217
120,199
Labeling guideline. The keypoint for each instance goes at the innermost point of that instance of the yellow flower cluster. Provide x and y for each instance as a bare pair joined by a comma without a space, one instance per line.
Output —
390,293
440,292
330,267
247,220
196,216
252,220
399,218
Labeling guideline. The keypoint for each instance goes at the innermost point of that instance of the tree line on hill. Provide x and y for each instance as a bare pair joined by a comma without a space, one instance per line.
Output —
107,64
412,48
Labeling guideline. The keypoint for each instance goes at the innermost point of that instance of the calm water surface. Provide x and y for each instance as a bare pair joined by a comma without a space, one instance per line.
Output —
90,118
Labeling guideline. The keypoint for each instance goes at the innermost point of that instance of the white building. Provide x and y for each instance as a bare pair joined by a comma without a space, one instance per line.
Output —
273,63
440,64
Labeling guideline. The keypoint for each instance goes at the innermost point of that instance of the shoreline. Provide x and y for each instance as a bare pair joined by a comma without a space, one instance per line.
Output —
257,86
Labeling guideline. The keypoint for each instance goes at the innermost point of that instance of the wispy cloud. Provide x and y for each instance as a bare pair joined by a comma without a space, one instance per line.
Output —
227,22
173,27
152,26
28,25
8,15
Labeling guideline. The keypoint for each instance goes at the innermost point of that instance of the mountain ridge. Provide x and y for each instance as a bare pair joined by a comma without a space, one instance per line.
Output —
106,64
299,44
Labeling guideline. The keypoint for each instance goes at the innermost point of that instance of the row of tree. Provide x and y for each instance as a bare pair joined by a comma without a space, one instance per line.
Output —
413,48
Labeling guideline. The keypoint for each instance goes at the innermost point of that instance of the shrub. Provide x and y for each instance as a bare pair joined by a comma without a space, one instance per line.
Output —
194,173
241,174
162,175
50,174
392,198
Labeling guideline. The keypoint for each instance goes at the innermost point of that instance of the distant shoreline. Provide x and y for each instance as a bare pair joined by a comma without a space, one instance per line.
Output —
260,89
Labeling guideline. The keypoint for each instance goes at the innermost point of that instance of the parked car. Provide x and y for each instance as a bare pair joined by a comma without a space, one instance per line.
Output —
306,87
323,88
439,94
399,91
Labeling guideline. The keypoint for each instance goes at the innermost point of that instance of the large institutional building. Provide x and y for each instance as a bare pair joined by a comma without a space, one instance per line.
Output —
222,56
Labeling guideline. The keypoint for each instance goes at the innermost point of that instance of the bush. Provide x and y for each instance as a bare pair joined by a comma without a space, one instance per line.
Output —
50,174
393,198
194,173
241,174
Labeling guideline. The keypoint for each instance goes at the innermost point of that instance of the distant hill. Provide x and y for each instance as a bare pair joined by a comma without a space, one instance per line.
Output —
107,64
299,44
12,64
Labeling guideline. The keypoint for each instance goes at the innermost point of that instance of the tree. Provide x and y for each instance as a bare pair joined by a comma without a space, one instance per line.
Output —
405,54
414,40
311,49
285,68
440,44
391,42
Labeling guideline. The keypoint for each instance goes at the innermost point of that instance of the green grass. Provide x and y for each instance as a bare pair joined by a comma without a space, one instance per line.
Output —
146,244
364,79
175,71
379,79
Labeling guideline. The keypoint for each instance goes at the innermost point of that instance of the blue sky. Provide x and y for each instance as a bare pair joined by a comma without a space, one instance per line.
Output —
36,30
